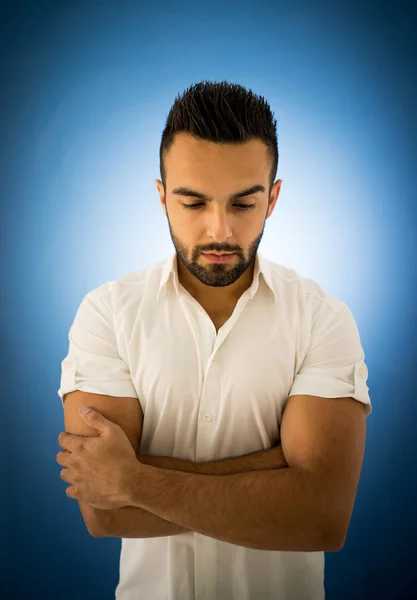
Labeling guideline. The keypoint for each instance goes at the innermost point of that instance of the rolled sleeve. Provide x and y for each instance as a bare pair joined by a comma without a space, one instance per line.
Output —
334,366
93,363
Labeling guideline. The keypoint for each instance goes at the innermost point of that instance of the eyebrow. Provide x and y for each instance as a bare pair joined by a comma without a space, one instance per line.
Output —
184,191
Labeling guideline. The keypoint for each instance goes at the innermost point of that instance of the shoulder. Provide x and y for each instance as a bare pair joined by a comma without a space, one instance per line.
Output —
126,288
292,285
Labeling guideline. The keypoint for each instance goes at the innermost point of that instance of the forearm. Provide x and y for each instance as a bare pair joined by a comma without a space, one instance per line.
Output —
267,510
263,460
134,522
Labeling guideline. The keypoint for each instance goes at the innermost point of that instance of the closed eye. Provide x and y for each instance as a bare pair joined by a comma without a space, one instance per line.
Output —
240,206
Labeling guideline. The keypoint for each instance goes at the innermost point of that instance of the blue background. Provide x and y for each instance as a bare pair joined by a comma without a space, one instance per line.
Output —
85,91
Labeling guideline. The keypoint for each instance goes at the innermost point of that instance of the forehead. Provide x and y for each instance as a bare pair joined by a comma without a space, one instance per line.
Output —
203,157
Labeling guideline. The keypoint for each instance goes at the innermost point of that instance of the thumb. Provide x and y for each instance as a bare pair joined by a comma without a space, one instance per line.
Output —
94,418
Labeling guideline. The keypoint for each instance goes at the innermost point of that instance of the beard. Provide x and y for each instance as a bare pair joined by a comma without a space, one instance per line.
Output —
216,274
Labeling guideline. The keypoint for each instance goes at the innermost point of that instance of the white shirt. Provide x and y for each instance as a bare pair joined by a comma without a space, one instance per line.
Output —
207,396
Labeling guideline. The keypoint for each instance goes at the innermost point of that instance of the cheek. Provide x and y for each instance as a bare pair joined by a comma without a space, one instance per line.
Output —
191,229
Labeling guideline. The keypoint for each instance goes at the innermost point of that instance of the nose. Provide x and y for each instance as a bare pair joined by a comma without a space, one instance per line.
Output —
218,226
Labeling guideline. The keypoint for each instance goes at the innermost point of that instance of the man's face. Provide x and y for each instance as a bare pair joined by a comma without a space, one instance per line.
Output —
221,224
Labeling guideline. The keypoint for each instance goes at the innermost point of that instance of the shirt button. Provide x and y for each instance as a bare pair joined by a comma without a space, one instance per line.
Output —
206,417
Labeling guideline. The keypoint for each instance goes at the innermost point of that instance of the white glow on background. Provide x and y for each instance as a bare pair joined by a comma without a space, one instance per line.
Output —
321,227
92,211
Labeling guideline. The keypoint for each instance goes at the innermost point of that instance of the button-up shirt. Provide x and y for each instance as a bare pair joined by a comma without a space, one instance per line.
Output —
207,395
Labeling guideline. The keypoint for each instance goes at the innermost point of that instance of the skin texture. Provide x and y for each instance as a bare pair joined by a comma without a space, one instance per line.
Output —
323,442
98,467
217,170
128,521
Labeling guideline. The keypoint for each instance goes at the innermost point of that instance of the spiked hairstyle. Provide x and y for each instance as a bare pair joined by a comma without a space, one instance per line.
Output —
222,113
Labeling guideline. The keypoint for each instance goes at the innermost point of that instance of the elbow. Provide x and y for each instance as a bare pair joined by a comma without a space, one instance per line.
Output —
324,536
334,538
94,531
340,540
331,526
329,541
95,527
94,519
332,544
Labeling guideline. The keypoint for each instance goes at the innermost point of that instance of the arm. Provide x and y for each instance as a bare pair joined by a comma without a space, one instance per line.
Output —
126,412
273,458
135,522
266,510
305,507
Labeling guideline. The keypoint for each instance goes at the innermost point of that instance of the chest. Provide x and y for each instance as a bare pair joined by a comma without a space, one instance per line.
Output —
203,393
219,314
219,319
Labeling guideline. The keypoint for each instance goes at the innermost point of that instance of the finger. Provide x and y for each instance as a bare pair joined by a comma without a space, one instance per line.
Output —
69,441
70,491
62,457
61,438
65,440
65,475
96,420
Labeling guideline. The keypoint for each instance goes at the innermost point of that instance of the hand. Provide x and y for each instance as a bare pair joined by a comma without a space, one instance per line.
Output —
98,468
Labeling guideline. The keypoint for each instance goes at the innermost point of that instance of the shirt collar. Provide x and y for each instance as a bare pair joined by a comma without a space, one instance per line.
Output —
170,270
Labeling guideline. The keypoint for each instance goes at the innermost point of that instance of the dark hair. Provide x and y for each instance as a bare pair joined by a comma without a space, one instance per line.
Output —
224,113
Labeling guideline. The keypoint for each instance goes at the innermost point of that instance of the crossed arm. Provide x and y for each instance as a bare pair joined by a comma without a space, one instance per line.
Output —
134,522
302,502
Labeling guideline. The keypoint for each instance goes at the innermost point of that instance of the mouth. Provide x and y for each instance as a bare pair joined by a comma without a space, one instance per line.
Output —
226,257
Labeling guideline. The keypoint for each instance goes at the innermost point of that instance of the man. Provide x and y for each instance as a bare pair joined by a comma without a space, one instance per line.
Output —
229,393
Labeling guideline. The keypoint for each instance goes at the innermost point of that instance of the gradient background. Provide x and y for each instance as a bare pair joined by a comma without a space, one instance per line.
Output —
85,91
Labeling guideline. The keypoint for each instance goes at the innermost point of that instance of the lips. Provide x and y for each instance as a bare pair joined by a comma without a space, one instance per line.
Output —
219,258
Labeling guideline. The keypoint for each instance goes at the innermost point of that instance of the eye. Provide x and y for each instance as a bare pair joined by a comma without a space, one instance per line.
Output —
241,206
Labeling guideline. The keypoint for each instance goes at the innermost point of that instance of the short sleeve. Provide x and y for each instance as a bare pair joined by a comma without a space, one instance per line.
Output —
334,366
93,363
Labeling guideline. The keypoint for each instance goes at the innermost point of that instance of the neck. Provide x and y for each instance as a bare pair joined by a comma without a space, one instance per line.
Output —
214,297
